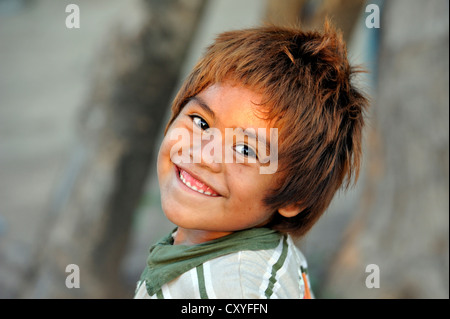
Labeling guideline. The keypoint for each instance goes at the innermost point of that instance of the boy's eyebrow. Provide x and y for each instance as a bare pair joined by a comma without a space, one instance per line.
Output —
258,138
203,105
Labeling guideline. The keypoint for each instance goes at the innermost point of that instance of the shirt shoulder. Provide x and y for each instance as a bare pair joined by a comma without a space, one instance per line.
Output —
280,272
276,273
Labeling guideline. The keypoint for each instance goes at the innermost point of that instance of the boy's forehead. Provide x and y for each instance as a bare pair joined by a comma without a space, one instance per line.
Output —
235,104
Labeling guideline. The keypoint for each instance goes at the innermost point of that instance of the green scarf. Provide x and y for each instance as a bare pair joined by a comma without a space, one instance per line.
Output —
167,261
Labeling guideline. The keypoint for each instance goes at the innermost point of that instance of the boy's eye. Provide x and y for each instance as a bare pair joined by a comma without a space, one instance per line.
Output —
201,123
245,150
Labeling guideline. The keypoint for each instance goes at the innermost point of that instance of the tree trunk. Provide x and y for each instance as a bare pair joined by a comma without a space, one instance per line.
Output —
403,226
311,14
88,223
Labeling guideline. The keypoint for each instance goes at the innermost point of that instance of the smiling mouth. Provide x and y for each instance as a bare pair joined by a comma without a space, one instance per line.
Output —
194,184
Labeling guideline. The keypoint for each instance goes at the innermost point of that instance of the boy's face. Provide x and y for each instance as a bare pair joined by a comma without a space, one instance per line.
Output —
228,196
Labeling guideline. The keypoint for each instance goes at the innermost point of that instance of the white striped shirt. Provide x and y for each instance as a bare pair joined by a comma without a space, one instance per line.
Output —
273,273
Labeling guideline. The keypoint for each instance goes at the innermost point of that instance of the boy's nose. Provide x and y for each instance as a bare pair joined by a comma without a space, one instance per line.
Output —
207,150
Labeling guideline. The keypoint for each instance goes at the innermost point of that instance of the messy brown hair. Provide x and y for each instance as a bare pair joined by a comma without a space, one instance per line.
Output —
305,78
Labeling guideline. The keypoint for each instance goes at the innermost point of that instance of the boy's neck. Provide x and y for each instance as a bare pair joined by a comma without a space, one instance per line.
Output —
189,237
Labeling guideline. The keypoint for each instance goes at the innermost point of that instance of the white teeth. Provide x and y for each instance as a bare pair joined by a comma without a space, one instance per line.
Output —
188,184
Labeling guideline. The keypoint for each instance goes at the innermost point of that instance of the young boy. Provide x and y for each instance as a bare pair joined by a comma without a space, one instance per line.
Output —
287,97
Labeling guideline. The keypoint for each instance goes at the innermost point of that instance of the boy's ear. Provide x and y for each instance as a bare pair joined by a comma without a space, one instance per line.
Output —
290,210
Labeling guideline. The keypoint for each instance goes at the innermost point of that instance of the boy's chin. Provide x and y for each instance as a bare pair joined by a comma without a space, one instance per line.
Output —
177,214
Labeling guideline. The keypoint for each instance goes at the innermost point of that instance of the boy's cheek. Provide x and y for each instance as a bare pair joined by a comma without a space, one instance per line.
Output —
163,159
164,149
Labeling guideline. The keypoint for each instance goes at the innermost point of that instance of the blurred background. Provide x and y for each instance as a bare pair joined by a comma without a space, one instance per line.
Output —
81,117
